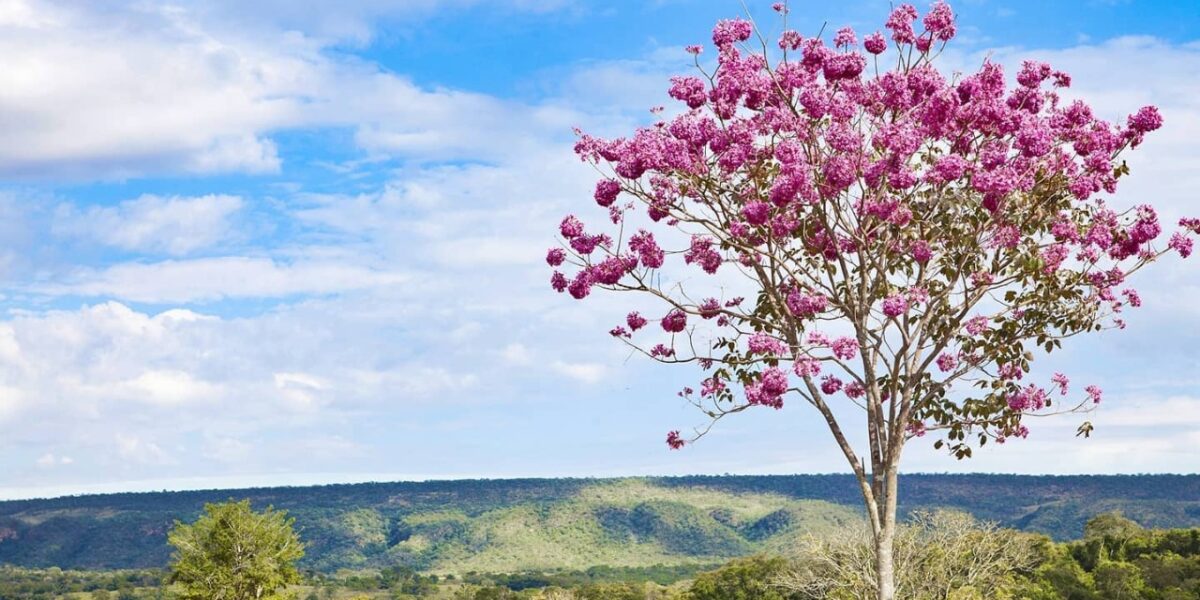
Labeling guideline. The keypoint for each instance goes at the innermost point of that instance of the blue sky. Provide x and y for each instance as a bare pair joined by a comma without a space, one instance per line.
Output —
282,245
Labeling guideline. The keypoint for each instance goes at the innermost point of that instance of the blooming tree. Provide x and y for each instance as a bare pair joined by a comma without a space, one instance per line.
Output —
907,238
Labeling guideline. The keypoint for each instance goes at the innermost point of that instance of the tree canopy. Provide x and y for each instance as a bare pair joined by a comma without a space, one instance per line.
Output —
234,553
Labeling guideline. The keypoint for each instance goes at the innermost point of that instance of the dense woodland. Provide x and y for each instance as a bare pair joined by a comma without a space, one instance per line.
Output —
1116,560
507,525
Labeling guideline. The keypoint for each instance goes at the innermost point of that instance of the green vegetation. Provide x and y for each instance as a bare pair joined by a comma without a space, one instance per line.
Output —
234,553
944,556
568,525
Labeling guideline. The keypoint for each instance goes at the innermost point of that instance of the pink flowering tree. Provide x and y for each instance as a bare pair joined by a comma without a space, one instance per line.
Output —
905,241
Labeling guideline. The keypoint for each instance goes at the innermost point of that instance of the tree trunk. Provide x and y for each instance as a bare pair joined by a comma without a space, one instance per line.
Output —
885,537
885,566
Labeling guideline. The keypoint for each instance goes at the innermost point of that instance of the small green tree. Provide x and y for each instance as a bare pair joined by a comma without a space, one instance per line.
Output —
234,553
744,579
1119,581
1111,525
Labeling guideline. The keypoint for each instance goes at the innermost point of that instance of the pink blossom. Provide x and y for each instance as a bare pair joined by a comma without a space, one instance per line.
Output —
702,253
845,348
1006,236
647,249
586,244
731,30
756,213
1094,393
555,256
689,90
1053,257
805,305
917,295
609,271
711,387
761,343
854,389
790,40
1181,244
570,227
817,338
607,191
895,305
874,43
1145,119
940,21
675,321
661,351
921,251
901,23
830,384
806,367
1011,371
977,325
947,362
916,429
1132,297
558,281
1061,382
635,321
948,168
839,172
844,38
580,286
675,442
1033,73
1020,401
772,384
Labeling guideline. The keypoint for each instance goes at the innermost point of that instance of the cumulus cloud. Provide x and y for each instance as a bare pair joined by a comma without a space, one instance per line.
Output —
209,279
175,225
117,90
137,450
583,372
49,461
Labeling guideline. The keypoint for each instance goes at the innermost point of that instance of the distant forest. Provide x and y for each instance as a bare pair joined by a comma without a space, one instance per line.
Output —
510,525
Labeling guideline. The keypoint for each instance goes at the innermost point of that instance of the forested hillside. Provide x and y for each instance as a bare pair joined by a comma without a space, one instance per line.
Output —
508,525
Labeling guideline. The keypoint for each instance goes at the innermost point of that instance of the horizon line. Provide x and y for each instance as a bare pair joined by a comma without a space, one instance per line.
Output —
291,481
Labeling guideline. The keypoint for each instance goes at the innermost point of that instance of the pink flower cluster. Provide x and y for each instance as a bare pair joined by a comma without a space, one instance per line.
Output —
817,165
761,343
772,384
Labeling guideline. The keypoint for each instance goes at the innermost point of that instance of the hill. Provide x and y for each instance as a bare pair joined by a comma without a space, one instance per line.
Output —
509,525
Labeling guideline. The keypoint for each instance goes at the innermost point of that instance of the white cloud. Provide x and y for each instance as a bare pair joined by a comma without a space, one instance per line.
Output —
49,460
117,90
516,354
170,387
137,450
175,224
209,279
11,398
584,372
227,449
300,390
1158,412
352,20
